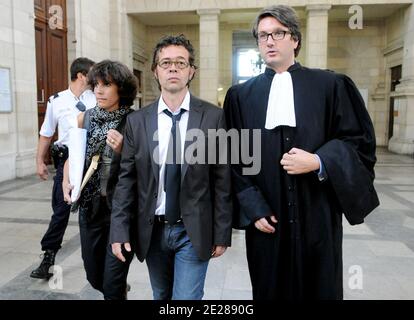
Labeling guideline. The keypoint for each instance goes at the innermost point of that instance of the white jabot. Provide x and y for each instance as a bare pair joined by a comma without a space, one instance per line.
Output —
281,104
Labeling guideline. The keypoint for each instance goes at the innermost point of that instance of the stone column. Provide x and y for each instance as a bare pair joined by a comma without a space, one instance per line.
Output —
121,33
403,138
23,132
209,54
317,35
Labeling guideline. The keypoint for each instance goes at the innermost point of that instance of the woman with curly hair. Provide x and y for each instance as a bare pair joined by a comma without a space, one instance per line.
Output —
115,88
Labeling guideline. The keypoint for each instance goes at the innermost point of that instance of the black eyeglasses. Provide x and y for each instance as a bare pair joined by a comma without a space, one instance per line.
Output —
277,35
180,64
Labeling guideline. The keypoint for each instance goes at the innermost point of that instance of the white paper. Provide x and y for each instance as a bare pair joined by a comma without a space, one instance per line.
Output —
77,150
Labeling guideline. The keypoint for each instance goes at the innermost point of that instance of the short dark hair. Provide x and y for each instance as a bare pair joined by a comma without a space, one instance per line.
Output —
285,15
82,65
167,41
109,71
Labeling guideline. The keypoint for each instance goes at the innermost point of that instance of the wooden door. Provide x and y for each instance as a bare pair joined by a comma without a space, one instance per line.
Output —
41,70
51,52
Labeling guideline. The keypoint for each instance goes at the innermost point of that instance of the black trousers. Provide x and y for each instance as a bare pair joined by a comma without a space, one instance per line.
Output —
103,270
52,240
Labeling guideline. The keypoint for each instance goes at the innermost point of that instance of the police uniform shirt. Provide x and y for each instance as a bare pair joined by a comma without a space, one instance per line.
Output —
61,112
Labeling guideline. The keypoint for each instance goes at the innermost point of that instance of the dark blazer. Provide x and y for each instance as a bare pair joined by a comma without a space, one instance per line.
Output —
205,188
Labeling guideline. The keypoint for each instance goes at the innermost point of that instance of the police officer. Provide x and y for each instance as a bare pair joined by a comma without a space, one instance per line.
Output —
62,110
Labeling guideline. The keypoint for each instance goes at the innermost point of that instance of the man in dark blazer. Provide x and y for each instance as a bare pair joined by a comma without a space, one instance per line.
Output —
184,212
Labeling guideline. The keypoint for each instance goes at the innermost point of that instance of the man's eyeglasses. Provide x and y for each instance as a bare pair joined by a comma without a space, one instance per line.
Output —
277,35
180,64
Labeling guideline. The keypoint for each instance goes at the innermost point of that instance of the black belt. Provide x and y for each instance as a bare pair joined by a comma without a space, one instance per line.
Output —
59,152
59,155
161,219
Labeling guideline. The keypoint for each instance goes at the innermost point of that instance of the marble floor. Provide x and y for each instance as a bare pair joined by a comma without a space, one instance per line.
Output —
378,255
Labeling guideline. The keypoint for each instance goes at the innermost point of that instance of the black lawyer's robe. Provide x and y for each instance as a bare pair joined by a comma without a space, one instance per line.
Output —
303,258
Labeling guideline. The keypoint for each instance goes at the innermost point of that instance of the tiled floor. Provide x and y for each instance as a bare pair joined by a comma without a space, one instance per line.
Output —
378,255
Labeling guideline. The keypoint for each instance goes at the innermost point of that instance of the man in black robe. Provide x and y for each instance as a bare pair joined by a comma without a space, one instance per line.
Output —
317,163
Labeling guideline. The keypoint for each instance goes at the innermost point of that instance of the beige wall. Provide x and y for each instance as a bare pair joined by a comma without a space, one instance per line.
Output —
139,52
192,5
94,30
358,54
394,26
18,129
99,32
393,54
403,137
89,33
121,33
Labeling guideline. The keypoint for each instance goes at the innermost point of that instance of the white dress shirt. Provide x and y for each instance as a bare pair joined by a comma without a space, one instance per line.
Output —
164,134
61,112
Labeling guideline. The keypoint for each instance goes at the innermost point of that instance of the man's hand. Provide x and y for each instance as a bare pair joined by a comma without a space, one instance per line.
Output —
298,161
117,250
218,251
264,226
42,171
42,147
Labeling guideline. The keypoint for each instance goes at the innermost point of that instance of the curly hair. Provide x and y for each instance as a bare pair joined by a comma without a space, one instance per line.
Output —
109,71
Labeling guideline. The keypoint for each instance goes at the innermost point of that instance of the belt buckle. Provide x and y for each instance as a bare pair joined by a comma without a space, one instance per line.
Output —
161,219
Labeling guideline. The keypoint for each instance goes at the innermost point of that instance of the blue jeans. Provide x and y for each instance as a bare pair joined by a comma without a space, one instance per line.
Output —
175,270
